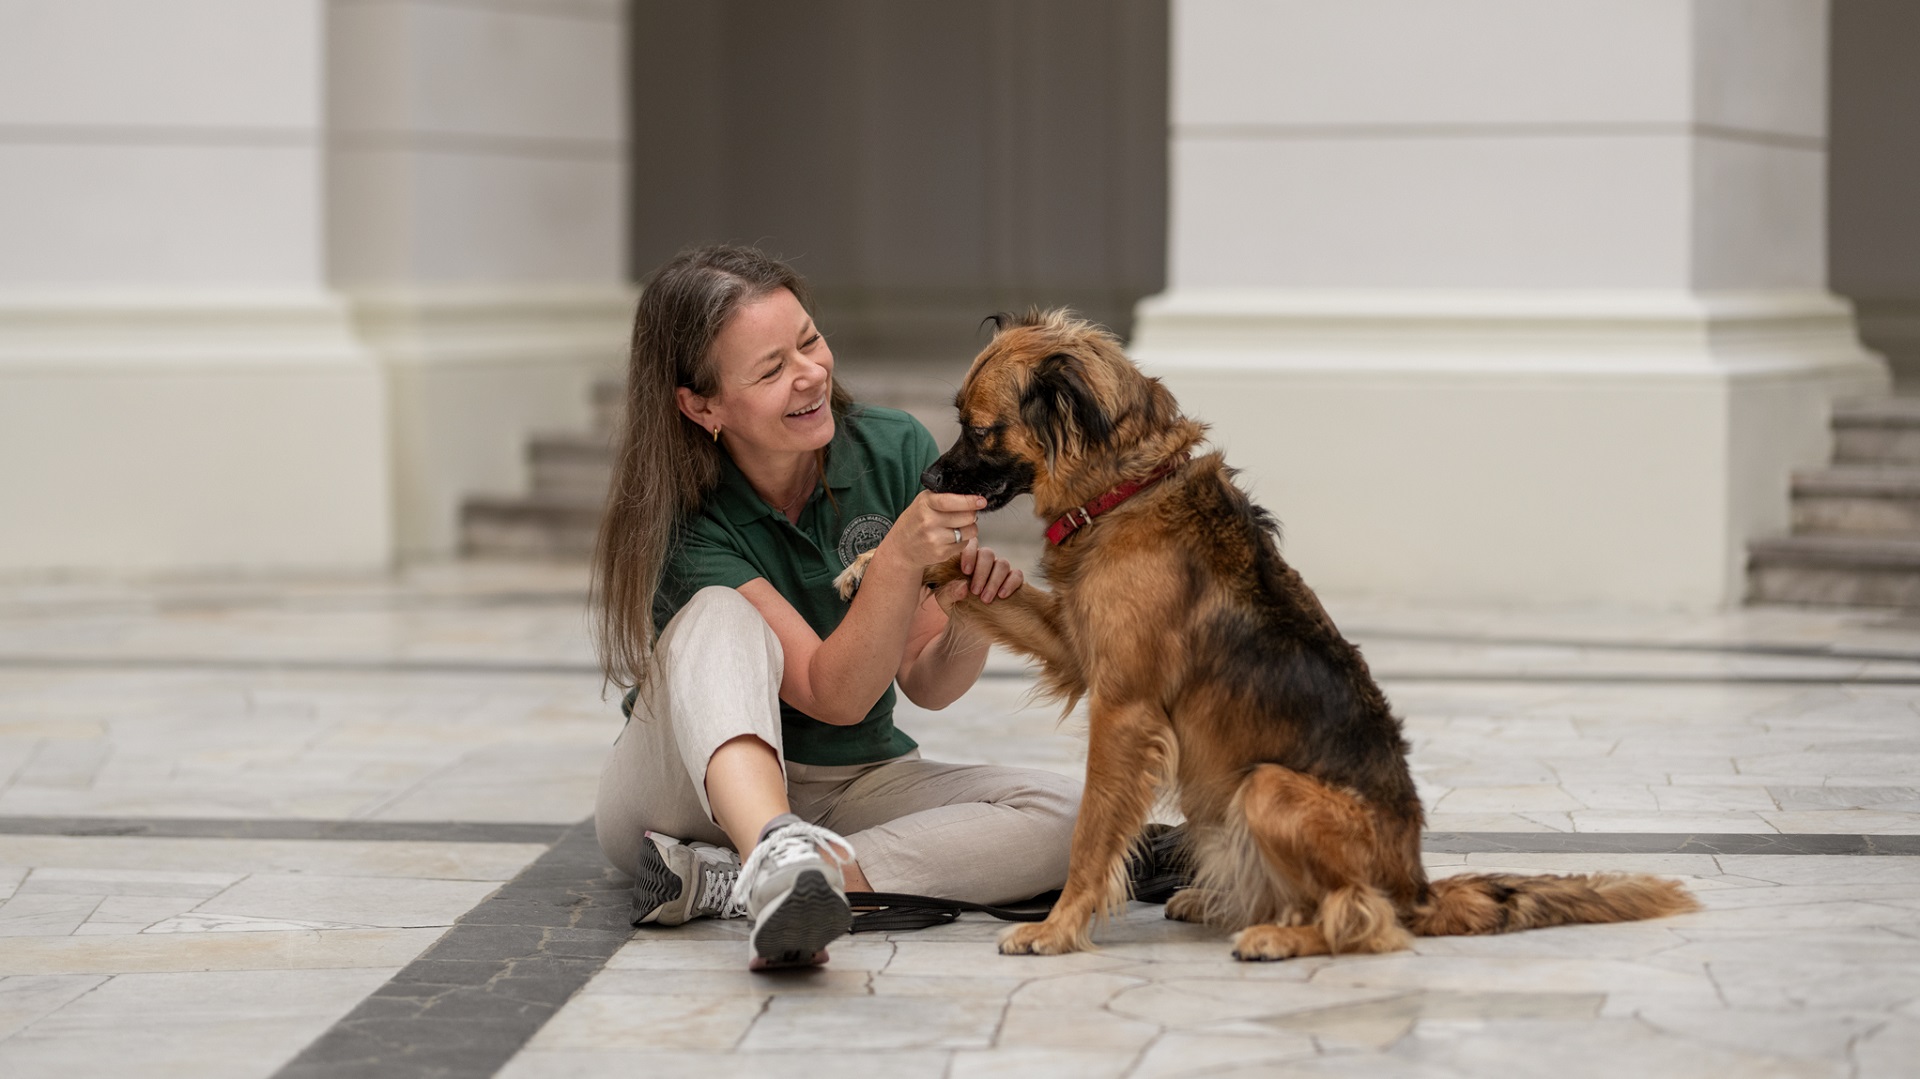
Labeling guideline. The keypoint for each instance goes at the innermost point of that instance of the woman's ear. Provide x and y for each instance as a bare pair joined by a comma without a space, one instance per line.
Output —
695,407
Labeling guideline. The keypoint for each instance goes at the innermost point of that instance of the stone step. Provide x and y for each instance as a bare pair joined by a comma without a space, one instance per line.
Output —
1858,500
1848,571
570,466
1885,430
535,526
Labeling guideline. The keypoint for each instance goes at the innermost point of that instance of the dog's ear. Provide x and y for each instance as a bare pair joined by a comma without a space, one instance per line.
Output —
1060,408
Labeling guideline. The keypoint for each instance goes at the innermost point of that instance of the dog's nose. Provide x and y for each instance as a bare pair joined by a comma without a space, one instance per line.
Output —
932,477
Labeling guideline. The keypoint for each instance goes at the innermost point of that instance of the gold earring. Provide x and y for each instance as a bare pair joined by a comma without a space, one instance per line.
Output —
716,432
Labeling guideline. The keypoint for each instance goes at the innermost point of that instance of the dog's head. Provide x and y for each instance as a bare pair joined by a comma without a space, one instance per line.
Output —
1052,406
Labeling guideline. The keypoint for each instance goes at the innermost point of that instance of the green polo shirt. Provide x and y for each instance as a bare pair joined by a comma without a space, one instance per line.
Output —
873,469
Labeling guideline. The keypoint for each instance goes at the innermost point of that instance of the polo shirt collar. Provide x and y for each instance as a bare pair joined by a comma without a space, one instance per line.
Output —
737,501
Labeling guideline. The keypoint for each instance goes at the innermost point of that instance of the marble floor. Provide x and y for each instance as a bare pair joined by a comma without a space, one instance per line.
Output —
332,826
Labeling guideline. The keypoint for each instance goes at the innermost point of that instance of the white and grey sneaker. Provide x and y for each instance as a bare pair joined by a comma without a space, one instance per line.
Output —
796,897
679,881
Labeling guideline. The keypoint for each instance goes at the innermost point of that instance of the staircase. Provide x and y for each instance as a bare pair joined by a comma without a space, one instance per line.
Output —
560,516
1856,524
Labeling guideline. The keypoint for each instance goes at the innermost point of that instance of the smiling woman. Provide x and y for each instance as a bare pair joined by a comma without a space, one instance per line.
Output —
761,713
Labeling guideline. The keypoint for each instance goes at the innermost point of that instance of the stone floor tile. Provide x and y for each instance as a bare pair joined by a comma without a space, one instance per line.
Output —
651,1023
912,985
1086,1029
51,880
629,1063
932,958
373,902
391,858
203,1025
1819,869
45,915
1188,1003
1176,1054
1890,1051
215,951
1034,1063
1604,1048
138,911
1808,1035
1601,820
1509,799
1073,990
879,1022
24,999
10,878
738,981
1848,821
1502,974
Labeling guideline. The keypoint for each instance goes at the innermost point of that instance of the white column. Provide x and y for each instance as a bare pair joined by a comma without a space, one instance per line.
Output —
178,388
477,220
1507,300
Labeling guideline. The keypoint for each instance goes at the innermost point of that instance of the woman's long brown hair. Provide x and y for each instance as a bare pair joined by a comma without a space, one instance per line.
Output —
665,464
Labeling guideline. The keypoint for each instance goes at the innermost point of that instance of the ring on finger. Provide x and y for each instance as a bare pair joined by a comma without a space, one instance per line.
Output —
957,537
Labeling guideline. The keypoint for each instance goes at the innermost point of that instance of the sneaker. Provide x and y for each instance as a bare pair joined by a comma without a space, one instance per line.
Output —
679,881
796,898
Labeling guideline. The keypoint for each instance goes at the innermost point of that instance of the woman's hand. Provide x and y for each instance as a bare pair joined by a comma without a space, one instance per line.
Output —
989,576
924,532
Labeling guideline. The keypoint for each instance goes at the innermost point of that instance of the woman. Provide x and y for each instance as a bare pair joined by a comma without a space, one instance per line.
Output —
761,719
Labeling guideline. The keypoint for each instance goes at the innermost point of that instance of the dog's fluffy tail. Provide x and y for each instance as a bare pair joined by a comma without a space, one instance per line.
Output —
1480,903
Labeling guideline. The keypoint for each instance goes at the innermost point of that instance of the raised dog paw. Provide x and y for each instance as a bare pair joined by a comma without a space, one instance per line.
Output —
1041,938
849,580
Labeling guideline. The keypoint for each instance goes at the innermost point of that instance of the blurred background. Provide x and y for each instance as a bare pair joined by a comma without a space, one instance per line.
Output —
1504,301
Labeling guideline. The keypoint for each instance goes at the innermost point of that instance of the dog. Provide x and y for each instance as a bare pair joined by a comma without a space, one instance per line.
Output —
1210,668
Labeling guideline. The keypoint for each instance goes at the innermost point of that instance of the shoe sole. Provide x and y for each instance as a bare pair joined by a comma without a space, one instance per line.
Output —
796,928
655,884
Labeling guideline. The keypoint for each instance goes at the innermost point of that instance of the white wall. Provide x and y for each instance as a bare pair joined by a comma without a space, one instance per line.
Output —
178,389
1506,300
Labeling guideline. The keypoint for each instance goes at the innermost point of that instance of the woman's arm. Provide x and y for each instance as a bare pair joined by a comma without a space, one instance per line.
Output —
836,680
945,655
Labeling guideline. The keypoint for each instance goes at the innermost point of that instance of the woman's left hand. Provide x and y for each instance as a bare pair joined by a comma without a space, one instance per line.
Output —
989,576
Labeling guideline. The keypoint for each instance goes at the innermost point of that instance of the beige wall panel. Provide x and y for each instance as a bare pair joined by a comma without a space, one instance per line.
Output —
1761,65
1441,212
158,216
1478,62
160,63
277,466
1760,217
447,217
543,73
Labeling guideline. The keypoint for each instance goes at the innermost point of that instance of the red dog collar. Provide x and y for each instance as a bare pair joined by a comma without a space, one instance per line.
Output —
1082,515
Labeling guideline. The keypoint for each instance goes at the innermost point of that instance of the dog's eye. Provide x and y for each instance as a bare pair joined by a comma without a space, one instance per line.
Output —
980,432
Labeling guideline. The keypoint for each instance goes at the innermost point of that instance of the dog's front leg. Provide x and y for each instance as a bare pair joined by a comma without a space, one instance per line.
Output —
1027,621
1127,753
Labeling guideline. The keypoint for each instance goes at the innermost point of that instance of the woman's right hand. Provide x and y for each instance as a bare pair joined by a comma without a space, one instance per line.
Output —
924,532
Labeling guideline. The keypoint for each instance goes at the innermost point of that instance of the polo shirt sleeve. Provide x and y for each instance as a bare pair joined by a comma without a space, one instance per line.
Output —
703,556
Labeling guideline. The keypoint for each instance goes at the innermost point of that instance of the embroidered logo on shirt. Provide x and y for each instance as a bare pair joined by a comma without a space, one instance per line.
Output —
863,534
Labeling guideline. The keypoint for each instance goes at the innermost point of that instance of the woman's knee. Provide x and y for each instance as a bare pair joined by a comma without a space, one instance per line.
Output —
718,619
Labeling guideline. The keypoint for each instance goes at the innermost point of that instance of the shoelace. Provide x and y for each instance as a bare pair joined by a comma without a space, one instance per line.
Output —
716,893
785,846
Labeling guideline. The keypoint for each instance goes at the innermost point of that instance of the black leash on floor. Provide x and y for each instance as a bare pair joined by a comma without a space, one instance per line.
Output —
893,911
1157,869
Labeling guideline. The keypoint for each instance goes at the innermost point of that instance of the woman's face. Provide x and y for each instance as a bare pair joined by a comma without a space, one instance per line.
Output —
775,372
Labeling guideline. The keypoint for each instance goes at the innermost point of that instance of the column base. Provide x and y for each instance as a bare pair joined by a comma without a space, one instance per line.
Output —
162,432
1526,447
471,374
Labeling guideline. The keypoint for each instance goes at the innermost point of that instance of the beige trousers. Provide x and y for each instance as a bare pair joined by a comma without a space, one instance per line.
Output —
981,833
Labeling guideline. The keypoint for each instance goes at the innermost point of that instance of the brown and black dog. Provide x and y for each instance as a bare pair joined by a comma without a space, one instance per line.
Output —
1209,665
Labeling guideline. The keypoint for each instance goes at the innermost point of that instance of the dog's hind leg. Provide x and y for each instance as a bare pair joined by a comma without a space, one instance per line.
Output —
1128,751
1319,845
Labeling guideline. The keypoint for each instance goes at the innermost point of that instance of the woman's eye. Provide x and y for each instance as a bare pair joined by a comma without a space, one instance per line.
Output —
776,369
810,342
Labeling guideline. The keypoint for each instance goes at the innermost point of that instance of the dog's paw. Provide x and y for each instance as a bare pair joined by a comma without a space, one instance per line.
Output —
1043,938
849,580
1266,943
943,573
1189,905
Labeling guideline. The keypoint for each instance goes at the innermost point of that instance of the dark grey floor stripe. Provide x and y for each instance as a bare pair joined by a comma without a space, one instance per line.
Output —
216,828
284,665
469,1003
1665,843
